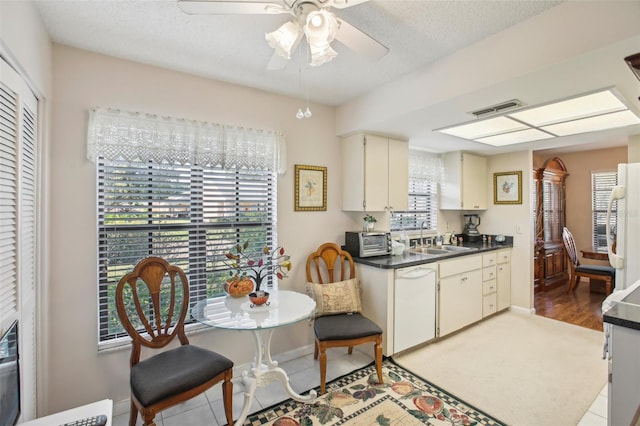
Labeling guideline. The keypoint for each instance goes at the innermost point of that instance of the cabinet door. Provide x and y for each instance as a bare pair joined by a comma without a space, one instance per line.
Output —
474,182
460,301
398,175
504,285
353,169
376,173
465,182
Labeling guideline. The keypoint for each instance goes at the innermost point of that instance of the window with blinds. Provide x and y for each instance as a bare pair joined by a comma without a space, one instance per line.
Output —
601,185
422,207
189,215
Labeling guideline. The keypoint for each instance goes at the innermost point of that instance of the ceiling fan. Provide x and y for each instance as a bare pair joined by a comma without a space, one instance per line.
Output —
311,18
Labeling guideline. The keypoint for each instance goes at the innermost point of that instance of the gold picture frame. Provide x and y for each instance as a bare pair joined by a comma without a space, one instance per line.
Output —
310,188
507,188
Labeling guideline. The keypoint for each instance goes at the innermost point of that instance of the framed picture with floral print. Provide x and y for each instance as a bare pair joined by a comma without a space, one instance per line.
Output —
507,188
310,188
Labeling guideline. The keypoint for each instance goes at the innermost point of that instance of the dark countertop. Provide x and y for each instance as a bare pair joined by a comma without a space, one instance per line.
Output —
412,259
625,313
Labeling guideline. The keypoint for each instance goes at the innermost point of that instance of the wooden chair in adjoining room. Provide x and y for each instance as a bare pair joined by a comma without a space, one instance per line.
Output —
341,325
152,302
578,270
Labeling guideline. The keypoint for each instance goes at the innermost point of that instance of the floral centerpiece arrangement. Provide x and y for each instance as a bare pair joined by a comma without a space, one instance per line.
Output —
249,270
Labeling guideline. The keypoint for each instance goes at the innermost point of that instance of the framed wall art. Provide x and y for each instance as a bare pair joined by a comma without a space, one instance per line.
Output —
310,188
507,188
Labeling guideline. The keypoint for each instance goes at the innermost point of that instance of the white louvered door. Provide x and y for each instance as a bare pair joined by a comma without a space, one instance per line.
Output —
18,220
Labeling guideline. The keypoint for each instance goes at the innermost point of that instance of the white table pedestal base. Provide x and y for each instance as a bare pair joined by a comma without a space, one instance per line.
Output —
264,371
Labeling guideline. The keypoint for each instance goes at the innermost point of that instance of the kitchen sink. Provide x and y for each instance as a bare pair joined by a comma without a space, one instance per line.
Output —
441,250
429,250
457,248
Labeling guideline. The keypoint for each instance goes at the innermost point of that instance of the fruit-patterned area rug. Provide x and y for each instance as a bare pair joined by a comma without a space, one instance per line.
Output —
357,399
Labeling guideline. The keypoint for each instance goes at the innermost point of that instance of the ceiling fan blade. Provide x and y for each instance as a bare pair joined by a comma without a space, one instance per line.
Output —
277,62
206,7
343,4
360,42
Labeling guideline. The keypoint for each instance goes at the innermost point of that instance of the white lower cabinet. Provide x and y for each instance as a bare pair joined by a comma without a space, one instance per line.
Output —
489,284
624,375
503,279
460,293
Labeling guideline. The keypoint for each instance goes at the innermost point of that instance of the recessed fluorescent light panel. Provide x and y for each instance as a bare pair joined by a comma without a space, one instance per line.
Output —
592,112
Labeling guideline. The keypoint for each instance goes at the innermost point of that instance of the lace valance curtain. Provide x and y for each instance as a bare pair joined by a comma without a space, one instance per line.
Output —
134,136
425,166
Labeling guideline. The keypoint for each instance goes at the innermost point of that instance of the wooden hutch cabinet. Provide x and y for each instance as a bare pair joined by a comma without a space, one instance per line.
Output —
550,265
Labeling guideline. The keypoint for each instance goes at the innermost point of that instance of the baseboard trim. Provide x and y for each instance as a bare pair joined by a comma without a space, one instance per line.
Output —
523,311
123,406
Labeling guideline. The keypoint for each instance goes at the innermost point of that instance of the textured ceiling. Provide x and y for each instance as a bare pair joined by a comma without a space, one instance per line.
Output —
233,48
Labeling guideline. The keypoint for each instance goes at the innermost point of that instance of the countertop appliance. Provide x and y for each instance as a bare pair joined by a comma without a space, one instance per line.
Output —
471,223
367,244
627,224
414,306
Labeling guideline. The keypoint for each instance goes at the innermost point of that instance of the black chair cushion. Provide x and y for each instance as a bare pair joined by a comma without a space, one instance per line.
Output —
597,270
175,371
344,327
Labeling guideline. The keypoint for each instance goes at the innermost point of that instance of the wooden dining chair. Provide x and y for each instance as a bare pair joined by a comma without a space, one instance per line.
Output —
339,321
152,303
578,270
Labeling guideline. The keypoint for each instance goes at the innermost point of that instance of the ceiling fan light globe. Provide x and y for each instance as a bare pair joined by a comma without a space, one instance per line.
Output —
321,55
284,39
321,27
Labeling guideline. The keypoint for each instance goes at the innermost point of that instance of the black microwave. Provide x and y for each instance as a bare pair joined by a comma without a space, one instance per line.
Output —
367,244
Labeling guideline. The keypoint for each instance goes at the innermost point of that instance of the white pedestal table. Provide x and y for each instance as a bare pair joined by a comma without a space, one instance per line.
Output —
284,308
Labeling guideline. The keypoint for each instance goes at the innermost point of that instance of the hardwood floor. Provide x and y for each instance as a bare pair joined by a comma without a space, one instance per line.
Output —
580,307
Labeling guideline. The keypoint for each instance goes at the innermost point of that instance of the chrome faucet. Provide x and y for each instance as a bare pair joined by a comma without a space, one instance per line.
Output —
424,222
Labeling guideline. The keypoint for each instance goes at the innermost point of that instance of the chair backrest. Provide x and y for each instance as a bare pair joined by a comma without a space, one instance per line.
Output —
152,303
329,264
570,247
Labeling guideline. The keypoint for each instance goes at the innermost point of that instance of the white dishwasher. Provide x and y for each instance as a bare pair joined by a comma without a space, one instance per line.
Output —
414,319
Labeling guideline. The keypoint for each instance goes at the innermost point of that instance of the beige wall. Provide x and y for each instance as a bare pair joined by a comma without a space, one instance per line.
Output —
83,80
580,165
514,220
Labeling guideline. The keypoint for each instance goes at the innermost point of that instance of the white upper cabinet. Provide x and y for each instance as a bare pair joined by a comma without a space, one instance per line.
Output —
465,182
375,173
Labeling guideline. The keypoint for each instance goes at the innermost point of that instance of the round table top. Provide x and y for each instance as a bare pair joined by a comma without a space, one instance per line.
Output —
235,313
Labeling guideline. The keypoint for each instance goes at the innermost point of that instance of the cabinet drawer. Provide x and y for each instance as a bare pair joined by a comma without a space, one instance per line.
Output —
489,273
504,256
489,259
489,304
489,287
460,265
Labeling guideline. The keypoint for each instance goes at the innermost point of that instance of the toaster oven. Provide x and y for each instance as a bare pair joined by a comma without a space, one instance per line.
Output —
367,244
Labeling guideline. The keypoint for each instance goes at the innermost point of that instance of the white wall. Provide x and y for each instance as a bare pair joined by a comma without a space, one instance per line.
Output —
83,80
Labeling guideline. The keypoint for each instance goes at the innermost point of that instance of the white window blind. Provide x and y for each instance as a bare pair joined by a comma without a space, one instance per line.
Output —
425,172
188,214
601,185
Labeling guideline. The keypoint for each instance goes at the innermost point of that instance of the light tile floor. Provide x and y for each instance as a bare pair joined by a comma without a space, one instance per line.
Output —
597,413
304,374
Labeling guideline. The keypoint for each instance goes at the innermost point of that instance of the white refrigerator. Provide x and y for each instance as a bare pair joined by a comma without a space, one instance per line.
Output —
626,259
622,342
